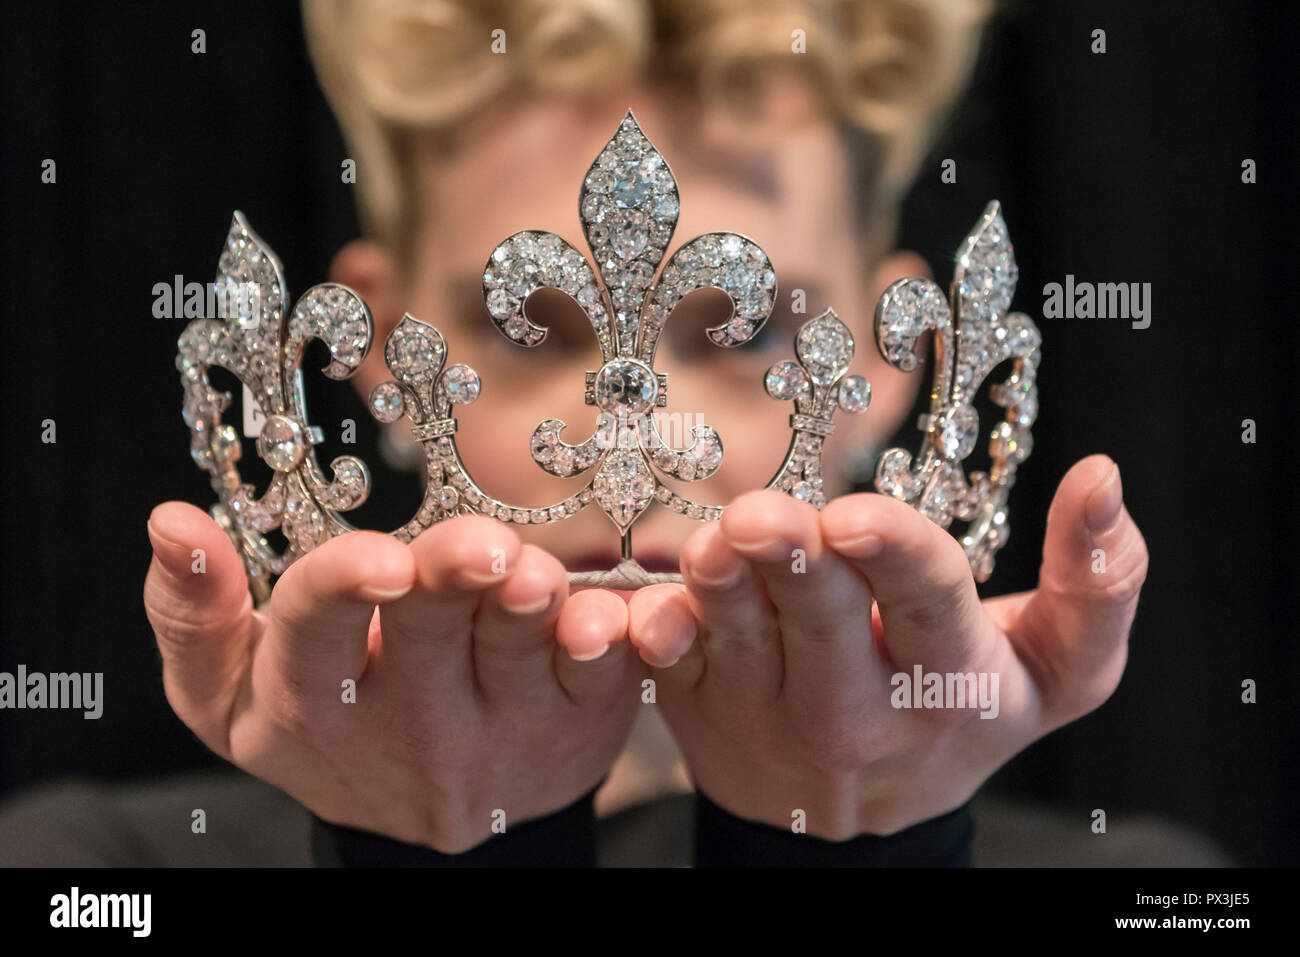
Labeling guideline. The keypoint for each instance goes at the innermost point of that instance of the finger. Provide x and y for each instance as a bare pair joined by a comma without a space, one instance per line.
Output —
738,635
1074,630
318,618
514,633
920,578
823,606
197,600
661,626
428,633
593,658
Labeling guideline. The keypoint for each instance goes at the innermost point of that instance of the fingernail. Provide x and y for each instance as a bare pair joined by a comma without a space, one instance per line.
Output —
156,536
533,607
726,579
472,578
382,596
1103,505
769,549
658,663
666,636
863,546
174,556
590,655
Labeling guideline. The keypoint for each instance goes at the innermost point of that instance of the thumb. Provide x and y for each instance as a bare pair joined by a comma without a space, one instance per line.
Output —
1076,624
197,600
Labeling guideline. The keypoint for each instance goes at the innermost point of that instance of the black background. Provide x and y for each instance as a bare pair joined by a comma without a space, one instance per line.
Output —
1122,167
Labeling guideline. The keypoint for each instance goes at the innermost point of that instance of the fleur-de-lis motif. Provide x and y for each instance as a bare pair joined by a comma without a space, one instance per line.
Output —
966,351
818,385
266,356
628,205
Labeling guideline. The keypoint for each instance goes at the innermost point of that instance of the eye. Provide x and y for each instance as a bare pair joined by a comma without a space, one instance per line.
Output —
568,325
684,334
775,334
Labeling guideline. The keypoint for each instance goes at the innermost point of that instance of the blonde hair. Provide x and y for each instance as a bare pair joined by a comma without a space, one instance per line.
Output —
393,68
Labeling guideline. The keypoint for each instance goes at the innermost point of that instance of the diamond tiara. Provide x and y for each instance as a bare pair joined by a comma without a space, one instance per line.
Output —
628,206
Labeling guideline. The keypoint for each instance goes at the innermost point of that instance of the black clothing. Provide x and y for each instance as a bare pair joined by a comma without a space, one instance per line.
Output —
567,838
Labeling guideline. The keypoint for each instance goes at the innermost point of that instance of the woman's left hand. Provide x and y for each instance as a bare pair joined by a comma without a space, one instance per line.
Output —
781,679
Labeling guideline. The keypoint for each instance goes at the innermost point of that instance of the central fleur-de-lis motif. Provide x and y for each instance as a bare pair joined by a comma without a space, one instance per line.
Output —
628,205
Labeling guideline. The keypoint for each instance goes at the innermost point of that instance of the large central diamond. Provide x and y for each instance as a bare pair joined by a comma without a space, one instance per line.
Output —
625,387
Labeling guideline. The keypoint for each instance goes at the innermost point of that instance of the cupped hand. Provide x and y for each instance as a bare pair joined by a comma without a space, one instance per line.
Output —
480,683
782,680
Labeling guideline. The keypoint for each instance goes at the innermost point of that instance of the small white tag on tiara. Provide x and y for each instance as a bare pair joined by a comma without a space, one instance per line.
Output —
254,417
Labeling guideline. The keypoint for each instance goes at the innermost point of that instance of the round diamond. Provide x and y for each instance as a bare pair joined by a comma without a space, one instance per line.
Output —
386,402
629,233
226,446
625,386
522,277
280,444
631,184
501,304
785,380
739,278
710,457
957,431
1027,409
855,394
543,448
826,348
667,206
413,351
197,411
1011,443
562,460
739,329
462,384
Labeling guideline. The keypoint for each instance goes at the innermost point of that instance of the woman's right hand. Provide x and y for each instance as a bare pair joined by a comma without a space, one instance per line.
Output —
470,697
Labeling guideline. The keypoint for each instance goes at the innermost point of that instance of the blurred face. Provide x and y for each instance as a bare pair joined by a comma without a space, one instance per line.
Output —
521,168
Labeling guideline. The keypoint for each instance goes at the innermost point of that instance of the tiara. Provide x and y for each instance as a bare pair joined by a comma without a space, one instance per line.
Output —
628,206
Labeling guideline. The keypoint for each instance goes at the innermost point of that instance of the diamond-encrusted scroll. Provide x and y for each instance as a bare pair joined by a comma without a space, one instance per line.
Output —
965,353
